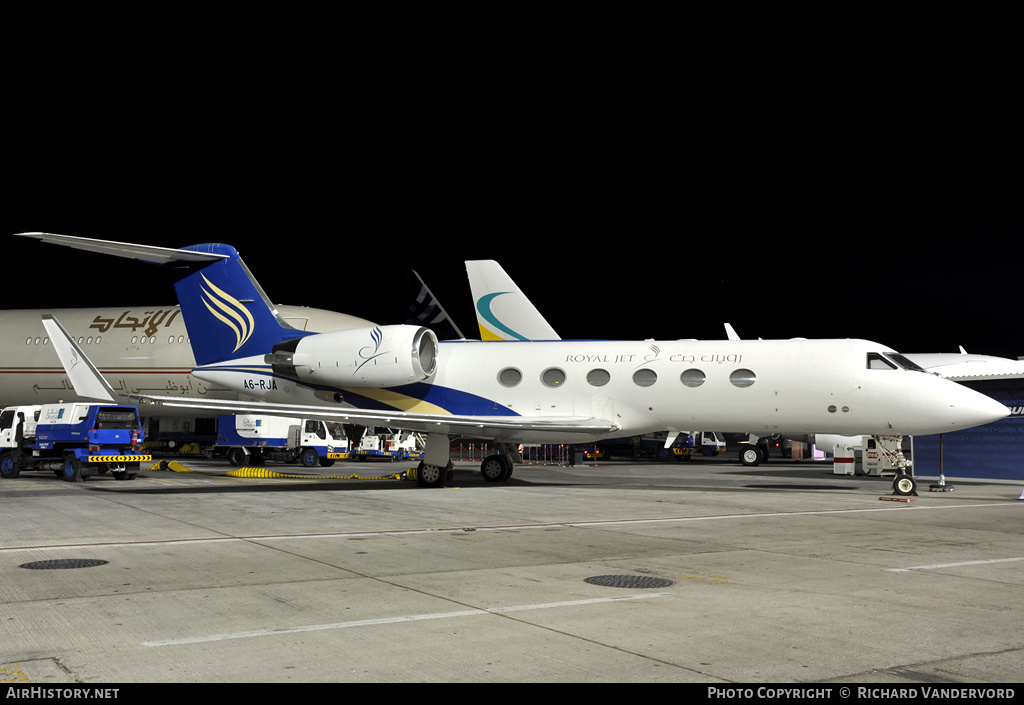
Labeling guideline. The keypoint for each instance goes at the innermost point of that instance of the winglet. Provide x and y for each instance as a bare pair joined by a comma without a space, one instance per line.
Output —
85,378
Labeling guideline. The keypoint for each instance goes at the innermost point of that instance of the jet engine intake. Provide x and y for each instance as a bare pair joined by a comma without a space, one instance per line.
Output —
382,356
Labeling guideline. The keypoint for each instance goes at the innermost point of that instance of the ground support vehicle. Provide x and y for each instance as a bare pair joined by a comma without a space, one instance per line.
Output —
74,441
255,439
706,443
400,446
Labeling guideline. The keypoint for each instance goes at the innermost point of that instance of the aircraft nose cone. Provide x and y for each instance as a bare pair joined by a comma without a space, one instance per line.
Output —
976,409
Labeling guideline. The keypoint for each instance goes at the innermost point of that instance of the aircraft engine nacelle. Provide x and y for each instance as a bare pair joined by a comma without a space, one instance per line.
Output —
381,356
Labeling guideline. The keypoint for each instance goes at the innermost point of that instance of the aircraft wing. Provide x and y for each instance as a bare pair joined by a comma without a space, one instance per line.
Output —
88,382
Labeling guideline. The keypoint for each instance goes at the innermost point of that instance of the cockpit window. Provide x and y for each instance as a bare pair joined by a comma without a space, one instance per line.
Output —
892,361
905,362
877,362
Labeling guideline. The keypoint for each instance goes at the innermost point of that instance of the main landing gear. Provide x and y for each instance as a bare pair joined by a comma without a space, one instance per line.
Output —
752,454
494,468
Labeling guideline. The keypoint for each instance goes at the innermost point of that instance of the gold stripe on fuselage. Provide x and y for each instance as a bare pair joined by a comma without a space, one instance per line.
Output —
401,402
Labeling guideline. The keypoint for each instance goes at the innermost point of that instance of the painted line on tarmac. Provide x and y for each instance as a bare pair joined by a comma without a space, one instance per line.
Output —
399,620
939,566
500,527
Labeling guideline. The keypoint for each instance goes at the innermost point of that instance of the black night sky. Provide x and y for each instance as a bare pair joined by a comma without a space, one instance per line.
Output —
790,194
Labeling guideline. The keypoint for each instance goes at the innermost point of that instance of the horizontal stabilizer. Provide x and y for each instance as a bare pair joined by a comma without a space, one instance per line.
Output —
145,253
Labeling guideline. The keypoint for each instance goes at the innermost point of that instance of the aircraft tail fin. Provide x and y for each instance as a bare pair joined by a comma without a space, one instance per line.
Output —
226,312
85,378
502,310
426,310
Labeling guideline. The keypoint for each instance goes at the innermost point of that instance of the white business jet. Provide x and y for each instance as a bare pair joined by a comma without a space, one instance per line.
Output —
400,376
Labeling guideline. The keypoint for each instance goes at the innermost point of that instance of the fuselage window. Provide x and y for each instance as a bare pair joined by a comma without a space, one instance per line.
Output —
553,377
598,377
693,378
742,378
645,378
510,377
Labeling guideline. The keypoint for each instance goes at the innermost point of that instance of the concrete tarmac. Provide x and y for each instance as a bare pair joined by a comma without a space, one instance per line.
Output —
704,572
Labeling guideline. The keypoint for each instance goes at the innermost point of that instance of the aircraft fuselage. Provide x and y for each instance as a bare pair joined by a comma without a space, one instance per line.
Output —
766,387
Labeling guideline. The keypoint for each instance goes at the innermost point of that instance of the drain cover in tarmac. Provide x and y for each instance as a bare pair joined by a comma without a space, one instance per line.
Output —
628,581
63,564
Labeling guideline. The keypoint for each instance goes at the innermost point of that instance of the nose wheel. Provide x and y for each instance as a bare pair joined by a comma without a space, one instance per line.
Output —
904,485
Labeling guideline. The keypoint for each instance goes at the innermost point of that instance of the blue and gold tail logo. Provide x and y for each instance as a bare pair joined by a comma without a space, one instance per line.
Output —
229,311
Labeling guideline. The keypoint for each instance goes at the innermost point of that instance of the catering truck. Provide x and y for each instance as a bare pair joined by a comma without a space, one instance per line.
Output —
253,438
74,441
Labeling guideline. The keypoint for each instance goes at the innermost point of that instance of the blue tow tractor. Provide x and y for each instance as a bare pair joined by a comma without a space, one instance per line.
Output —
74,441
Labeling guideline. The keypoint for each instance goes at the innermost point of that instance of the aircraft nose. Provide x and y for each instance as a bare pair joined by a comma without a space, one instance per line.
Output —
971,408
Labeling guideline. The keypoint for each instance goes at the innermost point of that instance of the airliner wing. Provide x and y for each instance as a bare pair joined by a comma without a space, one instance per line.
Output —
88,382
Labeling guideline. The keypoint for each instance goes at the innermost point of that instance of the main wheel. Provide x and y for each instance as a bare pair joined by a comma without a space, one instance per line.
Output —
309,458
495,468
751,456
430,475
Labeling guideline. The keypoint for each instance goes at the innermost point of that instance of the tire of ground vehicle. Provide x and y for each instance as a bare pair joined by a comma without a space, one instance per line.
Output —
8,468
72,469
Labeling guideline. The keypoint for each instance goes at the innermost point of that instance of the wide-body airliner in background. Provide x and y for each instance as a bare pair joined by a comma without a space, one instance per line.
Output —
560,391
141,350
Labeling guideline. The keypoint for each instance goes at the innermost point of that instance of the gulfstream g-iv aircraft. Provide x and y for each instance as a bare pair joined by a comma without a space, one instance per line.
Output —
524,392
